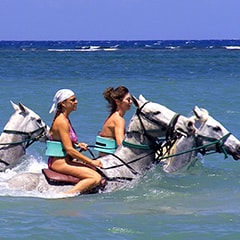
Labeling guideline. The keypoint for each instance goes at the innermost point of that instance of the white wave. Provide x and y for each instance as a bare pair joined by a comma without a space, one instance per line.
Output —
83,49
232,47
157,43
115,46
232,112
171,47
30,164
64,50
90,48
95,47
110,49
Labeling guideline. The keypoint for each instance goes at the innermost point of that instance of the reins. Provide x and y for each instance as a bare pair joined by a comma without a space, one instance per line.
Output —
219,143
29,140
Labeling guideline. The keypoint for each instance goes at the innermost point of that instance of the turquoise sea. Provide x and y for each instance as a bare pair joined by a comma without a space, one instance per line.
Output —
202,203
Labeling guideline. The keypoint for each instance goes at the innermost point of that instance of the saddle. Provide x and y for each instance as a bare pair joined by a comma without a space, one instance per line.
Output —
59,179
56,178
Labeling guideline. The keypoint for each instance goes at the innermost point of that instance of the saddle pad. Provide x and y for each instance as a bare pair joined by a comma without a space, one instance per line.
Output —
59,178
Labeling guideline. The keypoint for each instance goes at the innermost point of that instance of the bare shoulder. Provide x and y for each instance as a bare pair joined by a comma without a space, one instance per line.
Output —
61,122
118,119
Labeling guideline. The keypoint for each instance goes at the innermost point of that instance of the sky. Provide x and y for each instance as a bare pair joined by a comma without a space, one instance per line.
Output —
119,19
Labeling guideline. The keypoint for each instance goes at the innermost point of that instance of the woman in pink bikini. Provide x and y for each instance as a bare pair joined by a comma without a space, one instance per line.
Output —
64,103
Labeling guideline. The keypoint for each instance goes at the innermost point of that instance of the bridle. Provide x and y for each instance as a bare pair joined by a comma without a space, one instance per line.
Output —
155,142
202,148
219,144
143,132
28,140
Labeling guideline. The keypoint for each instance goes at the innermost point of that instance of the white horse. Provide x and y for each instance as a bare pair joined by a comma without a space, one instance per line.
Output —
131,159
210,137
23,128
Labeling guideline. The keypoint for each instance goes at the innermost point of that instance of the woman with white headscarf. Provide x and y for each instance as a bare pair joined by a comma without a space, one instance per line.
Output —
62,132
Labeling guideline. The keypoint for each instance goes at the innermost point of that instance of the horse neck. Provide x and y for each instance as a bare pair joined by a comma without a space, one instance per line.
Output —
12,124
136,137
11,137
180,155
186,144
16,122
136,146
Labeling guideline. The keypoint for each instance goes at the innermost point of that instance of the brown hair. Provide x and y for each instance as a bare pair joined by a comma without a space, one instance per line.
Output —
59,110
111,95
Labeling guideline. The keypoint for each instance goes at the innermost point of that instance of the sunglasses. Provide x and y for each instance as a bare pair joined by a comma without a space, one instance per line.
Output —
73,99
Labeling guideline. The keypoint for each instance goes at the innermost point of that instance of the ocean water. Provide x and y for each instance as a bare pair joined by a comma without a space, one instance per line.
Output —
202,203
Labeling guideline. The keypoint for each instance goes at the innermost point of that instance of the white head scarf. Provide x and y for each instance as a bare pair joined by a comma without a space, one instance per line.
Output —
60,96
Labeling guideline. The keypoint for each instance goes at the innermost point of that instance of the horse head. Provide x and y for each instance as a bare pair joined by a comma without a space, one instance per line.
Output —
212,135
159,121
27,121
23,128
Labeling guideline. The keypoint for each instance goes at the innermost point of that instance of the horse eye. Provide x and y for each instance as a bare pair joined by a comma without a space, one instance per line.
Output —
156,113
217,128
39,121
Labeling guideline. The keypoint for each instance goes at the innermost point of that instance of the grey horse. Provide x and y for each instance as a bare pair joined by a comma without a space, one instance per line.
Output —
210,137
22,129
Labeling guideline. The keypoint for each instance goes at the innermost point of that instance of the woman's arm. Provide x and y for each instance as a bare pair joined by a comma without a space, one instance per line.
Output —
63,130
119,130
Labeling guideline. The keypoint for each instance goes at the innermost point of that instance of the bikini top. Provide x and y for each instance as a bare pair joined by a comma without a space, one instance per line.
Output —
56,148
73,135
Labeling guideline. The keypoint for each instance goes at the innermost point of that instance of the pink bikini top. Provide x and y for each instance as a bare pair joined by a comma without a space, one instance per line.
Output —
72,133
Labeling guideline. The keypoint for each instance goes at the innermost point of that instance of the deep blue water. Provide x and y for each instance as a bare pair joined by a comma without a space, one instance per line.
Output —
200,204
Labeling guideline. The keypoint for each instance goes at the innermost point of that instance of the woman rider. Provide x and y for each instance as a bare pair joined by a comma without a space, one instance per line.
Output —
64,102
119,102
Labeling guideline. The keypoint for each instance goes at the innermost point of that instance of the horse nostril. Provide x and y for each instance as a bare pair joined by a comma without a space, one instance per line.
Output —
190,124
238,149
164,128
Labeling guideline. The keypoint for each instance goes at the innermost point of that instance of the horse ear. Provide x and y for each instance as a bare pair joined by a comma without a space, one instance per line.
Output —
201,113
135,101
142,98
197,112
23,108
14,105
